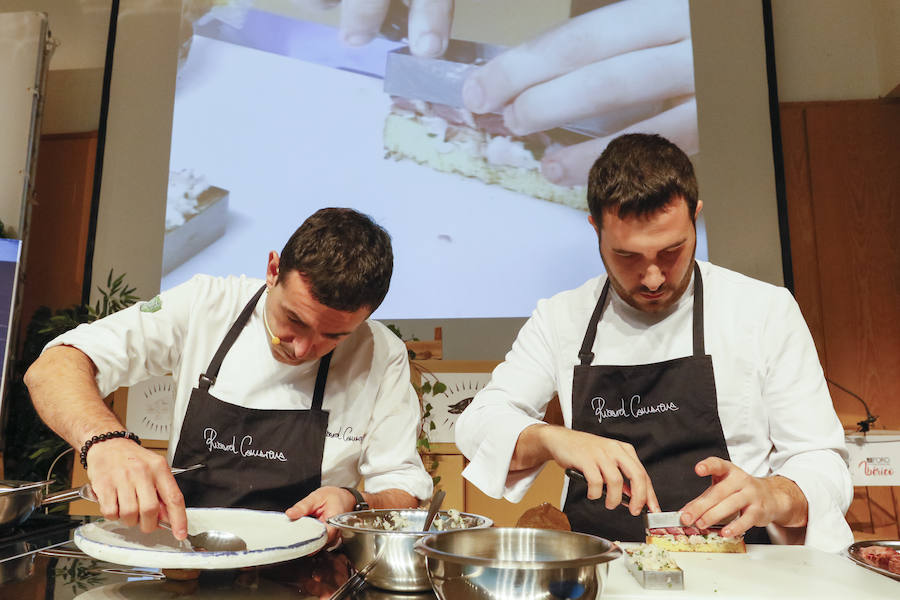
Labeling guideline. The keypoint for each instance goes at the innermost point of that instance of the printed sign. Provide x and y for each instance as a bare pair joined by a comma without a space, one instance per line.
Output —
874,459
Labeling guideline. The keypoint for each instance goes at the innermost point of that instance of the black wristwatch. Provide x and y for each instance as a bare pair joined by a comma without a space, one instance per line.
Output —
361,503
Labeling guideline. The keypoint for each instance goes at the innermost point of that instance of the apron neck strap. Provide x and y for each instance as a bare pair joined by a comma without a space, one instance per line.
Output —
321,377
699,348
586,357
209,378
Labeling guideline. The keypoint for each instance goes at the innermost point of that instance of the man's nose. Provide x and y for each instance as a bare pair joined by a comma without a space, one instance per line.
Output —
302,346
653,278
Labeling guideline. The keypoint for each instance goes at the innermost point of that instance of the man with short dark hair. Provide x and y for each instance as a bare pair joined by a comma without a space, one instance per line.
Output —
690,386
286,390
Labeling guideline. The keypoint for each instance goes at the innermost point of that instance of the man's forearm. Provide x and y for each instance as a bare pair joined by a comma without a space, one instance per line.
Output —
63,388
792,506
392,498
532,447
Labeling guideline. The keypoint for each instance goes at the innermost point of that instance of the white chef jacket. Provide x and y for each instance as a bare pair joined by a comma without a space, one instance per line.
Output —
373,409
774,405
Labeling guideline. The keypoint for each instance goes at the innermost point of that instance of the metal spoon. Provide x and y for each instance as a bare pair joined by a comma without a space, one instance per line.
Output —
358,580
433,508
212,540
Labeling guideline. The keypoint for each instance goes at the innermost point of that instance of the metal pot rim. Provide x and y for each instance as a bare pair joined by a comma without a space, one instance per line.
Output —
423,547
339,521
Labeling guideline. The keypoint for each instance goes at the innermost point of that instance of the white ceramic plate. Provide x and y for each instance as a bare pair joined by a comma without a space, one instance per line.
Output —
271,537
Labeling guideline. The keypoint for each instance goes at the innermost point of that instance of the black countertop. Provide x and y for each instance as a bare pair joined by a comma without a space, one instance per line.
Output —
39,576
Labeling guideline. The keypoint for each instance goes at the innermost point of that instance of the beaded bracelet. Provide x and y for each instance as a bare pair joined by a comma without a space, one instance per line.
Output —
102,438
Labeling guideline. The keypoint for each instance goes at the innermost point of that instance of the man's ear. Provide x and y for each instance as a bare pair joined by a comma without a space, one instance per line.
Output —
697,210
272,269
594,224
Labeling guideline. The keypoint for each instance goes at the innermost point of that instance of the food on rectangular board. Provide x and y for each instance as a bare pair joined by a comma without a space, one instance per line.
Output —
653,568
454,140
693,539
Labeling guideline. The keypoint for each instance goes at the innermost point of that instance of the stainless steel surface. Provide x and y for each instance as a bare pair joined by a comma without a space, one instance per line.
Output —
213,540
662,519
17,505
656,580
8,486
436,79
673,519
441,80
517,564
18,565
853,553
400,568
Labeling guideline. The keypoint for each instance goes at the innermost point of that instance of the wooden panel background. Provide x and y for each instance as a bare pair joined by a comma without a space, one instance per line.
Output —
59,223
842,176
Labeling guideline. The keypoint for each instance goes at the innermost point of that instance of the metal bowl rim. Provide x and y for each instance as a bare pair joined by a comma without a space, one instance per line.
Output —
422,547
337,521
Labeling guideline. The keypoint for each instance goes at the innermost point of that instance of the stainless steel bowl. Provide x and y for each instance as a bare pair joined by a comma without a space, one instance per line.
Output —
398,566
517,564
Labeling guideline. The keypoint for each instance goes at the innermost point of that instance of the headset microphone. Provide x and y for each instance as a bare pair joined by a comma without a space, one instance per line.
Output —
274,338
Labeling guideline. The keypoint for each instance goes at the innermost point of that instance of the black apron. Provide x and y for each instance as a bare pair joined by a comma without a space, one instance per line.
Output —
255,458
668,411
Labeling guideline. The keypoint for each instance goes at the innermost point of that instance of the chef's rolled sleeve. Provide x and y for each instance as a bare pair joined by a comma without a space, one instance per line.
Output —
516,398
141,341
808,445
389,459
824,479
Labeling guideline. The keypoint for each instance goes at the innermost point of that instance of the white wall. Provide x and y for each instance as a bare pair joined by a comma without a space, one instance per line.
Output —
836,49
23,44
76,70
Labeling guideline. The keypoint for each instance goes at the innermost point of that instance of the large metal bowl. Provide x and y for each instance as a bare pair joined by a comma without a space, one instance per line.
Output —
398,566
517,564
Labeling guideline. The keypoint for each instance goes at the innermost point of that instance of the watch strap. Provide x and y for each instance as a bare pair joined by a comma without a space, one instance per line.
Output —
361,503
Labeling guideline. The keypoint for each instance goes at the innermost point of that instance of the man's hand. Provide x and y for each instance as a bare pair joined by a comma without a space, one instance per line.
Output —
135,485
603,461
759,500
629,64
428,22
323,504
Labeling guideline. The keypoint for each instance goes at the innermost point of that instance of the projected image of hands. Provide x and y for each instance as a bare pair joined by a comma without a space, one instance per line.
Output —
291,105
628,65
424,23
623,67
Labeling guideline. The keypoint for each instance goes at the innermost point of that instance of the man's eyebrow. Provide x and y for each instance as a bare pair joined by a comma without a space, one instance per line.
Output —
669,247
296,318
675,245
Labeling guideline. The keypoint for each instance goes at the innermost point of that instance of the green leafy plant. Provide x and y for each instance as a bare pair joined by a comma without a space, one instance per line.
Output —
31,446
425,388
